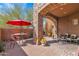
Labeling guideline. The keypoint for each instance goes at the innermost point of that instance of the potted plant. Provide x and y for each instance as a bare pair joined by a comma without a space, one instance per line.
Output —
43,41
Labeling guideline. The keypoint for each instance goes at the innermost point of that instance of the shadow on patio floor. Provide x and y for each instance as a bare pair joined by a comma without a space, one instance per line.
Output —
31,41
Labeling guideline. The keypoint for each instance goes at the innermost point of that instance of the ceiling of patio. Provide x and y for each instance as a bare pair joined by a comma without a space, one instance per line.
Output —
60,10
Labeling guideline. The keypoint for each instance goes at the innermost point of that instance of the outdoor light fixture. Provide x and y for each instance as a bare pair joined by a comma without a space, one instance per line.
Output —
65,12
61,8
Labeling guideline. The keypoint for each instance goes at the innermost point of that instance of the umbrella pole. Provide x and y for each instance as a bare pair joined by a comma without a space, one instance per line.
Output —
21,38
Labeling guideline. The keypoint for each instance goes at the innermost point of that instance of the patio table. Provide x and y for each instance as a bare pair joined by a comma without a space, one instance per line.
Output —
17,36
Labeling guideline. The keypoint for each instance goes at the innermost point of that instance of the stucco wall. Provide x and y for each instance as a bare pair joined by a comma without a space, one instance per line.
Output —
51,26
6,33
0,34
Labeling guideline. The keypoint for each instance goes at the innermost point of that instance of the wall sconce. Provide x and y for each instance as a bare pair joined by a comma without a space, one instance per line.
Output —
75,21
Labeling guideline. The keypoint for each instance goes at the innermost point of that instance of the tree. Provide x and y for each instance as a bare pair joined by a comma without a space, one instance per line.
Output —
17,11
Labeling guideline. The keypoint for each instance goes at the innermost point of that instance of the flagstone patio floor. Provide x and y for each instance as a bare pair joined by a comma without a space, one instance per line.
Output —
55,48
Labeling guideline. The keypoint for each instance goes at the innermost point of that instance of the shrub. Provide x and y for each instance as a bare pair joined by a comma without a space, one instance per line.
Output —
1,46
31,34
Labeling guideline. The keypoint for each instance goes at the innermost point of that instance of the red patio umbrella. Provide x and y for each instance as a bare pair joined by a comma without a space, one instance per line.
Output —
19,22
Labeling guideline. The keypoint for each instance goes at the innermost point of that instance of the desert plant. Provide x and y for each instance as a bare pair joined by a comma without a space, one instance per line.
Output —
1,46
31,34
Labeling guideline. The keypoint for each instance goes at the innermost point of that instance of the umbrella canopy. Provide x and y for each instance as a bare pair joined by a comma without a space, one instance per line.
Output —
19,22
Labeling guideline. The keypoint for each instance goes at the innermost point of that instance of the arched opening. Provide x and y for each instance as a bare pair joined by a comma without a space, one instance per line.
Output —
50,27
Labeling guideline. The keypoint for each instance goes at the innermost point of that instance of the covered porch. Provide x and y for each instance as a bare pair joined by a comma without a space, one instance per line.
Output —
63,17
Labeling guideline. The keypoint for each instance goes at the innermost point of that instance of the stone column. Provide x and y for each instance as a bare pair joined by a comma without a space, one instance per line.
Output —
35,20
37,23
40,26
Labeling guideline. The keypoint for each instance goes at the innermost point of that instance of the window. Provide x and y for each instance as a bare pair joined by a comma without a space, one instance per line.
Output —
75,21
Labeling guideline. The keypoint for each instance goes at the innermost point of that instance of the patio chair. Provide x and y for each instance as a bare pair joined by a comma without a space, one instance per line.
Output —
8,44
68,39
74,38
19,37
12,41
65,37
61,36
77,39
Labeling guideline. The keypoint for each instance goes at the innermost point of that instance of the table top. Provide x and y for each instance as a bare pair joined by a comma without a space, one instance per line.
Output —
19,34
